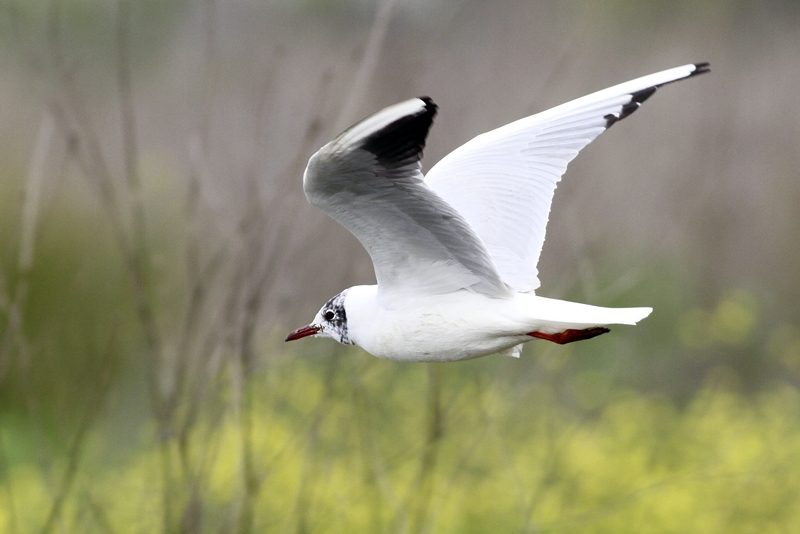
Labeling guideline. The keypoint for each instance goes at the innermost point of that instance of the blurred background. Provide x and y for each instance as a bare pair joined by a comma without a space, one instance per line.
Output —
157,247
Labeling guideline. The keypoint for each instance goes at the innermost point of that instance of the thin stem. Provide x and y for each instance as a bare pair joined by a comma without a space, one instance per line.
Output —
78,442
4,472
420,494
33,191
303,503
138,259
366,68
37,175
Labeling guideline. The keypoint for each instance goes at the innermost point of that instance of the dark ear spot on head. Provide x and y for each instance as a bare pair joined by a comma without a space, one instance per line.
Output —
334,313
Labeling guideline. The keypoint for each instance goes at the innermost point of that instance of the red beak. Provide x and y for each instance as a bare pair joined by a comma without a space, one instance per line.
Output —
303,331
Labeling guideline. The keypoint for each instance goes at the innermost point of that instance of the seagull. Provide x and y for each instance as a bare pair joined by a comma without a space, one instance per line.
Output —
455,251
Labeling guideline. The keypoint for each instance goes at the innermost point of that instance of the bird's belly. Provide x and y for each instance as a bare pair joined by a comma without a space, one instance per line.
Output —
431,337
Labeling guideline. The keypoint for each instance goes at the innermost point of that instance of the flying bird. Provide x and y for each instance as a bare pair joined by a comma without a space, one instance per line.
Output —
455,251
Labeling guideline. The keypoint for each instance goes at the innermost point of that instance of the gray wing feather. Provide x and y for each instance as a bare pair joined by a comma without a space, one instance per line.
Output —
368,179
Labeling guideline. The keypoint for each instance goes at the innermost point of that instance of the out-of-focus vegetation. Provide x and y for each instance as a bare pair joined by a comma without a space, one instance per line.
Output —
346,443
156,243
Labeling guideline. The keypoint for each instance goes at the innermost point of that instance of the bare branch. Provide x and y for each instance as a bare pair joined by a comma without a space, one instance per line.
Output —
76,449
33,190
367,66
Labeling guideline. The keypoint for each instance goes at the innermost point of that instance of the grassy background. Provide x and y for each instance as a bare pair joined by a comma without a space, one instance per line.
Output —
156,245
346,443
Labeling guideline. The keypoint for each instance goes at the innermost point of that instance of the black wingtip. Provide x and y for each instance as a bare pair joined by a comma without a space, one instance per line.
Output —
610,120
644,94
404,138
636,100
430,105
701,68
640,96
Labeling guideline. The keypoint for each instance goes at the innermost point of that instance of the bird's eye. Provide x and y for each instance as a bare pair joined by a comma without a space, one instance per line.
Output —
329,315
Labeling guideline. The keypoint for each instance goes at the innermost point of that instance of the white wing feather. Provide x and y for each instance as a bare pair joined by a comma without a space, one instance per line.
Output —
502,181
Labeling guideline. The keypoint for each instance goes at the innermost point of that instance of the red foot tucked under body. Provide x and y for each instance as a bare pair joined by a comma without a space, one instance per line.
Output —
568,336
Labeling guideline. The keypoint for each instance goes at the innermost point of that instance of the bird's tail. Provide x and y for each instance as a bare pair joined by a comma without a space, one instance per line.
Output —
553,315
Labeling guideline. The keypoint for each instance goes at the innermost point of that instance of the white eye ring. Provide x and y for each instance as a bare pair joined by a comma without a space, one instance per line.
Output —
329,315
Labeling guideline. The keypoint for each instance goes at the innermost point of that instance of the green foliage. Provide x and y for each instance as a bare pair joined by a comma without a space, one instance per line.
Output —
347,443
565,439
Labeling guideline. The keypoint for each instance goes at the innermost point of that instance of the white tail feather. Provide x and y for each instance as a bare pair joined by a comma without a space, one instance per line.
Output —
551,315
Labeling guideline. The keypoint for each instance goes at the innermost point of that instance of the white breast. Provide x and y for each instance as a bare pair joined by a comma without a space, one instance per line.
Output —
431,328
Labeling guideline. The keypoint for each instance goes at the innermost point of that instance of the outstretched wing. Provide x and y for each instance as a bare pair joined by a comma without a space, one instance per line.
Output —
502,182
368,179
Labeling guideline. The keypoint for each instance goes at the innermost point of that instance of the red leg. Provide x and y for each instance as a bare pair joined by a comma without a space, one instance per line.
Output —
568,336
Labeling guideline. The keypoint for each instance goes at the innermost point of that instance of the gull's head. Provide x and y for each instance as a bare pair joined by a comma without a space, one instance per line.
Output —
330,321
